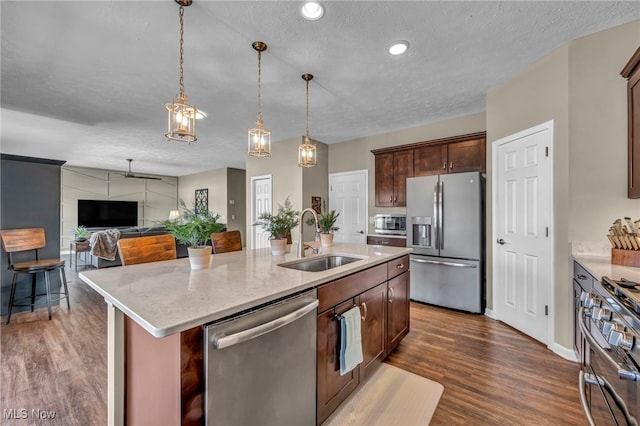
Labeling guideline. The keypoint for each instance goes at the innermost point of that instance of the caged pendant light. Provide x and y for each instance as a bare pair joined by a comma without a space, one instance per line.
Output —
307,151
182,116
259,138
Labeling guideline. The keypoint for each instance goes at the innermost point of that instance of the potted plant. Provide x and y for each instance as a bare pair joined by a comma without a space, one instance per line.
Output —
80,233
326,224
194,228
279,225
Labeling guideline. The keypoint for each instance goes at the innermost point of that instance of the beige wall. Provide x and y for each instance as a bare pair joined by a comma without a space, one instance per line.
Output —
213,180
579,87
226,190
289,180
356,154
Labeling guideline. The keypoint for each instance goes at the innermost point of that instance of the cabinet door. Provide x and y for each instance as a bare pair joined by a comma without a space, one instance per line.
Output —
384,179
467,156
633,94
332,387
430,160
373,309
403,168
397,310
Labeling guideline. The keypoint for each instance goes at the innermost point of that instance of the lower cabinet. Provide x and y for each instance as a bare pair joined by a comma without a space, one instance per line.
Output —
384,310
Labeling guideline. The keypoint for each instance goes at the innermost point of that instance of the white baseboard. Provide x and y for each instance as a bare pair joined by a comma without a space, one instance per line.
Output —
489,312
564,352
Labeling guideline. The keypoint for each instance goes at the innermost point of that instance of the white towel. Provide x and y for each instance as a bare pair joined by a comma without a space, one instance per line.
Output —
350,340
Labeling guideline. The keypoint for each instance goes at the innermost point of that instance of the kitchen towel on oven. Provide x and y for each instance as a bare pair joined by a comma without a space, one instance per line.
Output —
350,340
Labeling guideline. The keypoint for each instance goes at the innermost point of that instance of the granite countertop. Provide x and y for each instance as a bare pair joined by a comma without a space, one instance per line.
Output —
600,266
168,297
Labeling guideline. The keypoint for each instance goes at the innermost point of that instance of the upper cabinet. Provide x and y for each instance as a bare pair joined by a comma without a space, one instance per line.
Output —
631,72
392,171
394,165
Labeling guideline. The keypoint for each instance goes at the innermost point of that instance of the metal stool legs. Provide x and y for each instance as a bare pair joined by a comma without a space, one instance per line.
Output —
63,278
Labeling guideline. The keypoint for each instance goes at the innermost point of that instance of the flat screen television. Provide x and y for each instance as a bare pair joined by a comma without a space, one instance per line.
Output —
107,214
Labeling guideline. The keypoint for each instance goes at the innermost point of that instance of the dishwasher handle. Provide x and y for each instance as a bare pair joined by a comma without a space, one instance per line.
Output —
267,327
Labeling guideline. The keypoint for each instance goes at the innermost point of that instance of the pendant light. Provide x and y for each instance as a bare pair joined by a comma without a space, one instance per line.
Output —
307,151
259,140
182,116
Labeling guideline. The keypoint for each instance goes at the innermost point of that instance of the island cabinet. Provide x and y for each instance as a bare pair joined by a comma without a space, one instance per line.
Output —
392,170
380,301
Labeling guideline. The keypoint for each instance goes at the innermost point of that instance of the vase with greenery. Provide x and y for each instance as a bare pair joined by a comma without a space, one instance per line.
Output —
81,233
327,225
194,228
279,225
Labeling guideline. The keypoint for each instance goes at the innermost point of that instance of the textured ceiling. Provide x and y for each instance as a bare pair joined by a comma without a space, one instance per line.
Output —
87,81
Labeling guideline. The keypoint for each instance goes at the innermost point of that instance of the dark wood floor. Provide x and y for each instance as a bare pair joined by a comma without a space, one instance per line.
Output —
492,374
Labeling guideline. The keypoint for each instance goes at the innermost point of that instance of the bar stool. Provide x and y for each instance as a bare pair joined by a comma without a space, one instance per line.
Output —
25,240
153,248
224,242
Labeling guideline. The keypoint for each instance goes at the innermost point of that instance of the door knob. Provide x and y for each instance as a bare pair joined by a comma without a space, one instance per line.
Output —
501,241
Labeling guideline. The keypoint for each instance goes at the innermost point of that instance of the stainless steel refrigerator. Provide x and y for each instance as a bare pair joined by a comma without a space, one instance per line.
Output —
445,229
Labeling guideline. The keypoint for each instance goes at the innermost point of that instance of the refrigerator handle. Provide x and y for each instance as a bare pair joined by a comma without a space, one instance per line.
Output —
440,225
434,227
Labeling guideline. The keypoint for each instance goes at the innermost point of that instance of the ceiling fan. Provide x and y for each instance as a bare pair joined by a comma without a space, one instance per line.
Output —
130,174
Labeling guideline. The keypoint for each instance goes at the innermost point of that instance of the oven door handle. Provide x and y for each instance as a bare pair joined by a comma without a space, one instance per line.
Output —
592,379
622,373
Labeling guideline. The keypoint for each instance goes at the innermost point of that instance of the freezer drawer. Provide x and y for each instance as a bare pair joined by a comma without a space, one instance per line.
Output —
451,283
260,367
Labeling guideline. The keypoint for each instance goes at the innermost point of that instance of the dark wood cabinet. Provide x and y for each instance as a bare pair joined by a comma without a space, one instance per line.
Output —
393,165
431,160
397,311
369,291
373,306
392,170
380,240
631,72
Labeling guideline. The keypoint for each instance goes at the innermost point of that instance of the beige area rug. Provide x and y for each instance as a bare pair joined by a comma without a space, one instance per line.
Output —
391,397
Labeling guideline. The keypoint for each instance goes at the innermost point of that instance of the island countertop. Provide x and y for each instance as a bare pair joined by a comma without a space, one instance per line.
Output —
168,297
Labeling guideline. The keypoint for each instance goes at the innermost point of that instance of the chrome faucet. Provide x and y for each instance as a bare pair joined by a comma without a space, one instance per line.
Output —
301,243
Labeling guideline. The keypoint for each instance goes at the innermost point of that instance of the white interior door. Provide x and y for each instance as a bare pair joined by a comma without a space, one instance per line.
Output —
522,229
348,196
260,203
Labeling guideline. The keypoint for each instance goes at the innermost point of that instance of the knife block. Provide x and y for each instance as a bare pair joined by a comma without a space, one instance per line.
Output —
625,257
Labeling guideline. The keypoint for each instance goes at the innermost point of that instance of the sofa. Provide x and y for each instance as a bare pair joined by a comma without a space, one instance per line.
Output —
98,262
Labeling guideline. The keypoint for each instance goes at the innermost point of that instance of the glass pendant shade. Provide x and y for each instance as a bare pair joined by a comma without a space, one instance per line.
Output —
181,121
307,154
259,141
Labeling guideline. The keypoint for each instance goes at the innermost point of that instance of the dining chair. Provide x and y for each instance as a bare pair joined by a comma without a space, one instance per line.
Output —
227,241
153,248
25,241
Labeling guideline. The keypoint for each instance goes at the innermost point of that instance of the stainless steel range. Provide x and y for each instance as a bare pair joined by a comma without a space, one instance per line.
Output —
610,378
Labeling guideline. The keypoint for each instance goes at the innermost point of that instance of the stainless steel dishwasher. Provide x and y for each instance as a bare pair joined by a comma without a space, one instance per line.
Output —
260,366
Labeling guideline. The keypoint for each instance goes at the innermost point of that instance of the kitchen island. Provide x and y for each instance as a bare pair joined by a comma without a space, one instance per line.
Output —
165,304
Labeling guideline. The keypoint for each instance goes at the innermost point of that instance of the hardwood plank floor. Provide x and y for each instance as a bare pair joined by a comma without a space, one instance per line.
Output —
492,374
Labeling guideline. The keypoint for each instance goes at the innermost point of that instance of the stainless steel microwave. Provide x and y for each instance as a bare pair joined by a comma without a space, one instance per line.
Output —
390,224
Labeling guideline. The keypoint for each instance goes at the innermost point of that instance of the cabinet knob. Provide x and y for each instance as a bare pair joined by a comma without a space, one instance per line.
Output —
392,294
400,266
444,166
391,199
451,165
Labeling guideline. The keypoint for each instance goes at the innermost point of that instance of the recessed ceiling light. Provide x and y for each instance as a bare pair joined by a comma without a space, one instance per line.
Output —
398,47
312,10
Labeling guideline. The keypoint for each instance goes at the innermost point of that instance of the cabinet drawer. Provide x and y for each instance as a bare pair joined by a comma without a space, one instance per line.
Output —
582,277
345,288
397,266
386,241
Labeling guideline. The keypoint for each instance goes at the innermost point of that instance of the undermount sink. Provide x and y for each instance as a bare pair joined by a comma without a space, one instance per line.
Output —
320,263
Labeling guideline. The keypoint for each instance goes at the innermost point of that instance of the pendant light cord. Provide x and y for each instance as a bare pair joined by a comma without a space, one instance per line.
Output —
181,12
307,141
259,116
